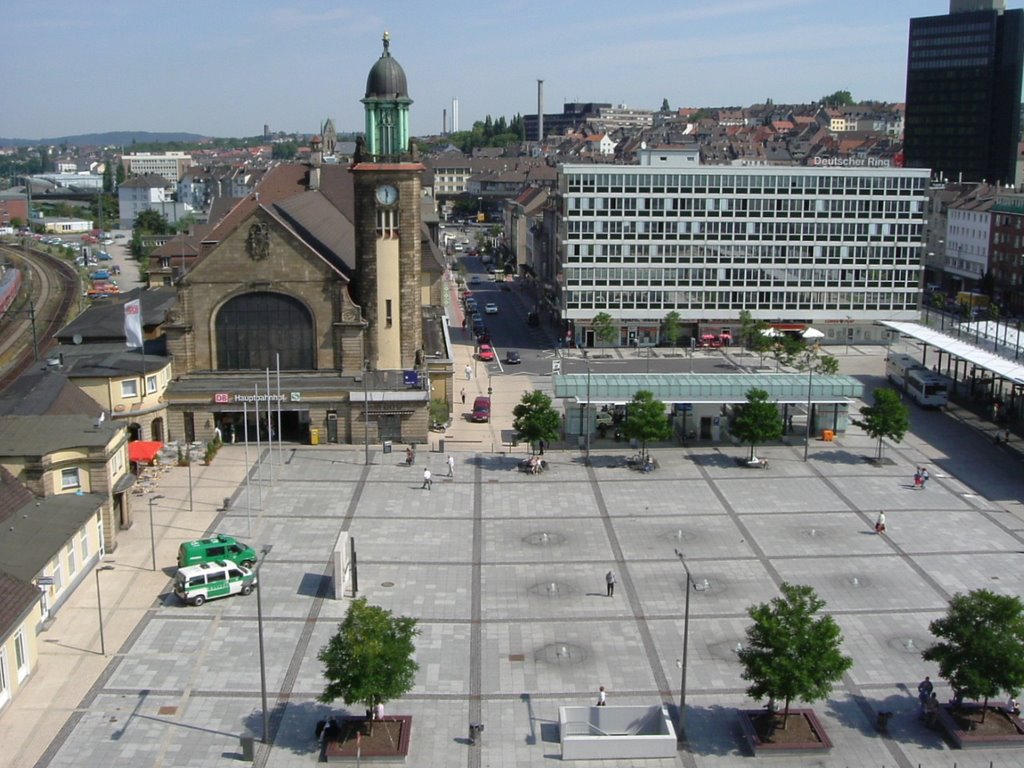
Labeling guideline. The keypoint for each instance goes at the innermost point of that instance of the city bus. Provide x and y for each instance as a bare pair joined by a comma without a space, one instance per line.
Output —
925,387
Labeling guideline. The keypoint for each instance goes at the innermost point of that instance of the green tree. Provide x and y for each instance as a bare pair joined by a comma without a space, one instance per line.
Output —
888,417
673,327
791,653
369,660
151,221
826,365
646,420
757,421
605,328
119,174
752,333
664,106
981,645
536,419
108,177
838,99
284,150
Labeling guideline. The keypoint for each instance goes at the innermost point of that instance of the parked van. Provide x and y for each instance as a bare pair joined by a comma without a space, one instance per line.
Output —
198,583
220,547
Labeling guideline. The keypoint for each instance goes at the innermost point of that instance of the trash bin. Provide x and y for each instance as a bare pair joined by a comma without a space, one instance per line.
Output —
387,446
828,435
248,745
475,729
227,503
314,436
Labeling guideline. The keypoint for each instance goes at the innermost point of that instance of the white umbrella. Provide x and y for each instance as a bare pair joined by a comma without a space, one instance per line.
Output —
772,332
812,333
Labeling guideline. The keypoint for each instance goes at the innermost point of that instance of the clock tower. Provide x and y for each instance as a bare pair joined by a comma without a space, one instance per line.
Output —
387,223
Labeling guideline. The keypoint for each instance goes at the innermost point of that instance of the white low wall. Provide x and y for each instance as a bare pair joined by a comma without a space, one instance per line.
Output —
616,733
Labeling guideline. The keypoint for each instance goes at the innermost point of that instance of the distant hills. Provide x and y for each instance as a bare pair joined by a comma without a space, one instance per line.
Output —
111,138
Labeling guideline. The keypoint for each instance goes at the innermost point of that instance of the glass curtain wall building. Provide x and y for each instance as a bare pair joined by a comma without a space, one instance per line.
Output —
964,92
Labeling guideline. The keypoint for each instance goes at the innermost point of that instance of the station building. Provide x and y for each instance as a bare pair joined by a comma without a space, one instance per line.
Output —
313,309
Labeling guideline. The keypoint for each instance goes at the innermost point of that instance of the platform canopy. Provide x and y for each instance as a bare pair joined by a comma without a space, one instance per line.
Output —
706,387
980,358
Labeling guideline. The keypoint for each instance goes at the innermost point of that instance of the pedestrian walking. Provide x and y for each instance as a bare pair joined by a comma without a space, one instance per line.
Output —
427,482
918,480
469,373
924,692
880,523
602,696
463,395
609,580
924,477
451,465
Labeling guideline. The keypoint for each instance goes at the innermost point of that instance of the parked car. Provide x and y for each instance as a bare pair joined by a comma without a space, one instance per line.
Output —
104,256
471,305
512,357
486,352
490,308
481,409
100,274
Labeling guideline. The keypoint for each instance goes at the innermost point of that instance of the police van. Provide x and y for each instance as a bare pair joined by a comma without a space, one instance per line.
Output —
198,583
210,550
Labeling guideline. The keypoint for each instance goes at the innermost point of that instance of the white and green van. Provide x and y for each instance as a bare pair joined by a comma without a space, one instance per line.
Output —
198,583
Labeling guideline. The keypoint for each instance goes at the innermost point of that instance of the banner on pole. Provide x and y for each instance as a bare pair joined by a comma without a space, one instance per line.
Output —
133,323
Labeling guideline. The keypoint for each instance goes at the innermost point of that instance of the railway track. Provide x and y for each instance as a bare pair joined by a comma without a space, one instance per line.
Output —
54,288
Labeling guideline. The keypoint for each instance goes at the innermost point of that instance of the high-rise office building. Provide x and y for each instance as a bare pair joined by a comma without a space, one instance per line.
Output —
964,91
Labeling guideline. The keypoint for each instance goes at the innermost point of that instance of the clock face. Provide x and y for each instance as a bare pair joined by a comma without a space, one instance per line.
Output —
387,194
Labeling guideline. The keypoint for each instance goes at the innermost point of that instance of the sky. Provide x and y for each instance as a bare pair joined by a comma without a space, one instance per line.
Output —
226,68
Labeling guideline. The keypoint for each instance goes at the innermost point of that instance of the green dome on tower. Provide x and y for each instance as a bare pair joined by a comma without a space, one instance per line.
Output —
386,104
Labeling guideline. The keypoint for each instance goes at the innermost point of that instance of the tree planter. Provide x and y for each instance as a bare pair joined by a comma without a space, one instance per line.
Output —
389,742
765,735
964,727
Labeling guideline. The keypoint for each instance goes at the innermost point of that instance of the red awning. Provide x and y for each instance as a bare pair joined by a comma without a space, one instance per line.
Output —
143,451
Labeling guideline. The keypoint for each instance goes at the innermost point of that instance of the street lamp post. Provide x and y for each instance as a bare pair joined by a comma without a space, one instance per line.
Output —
152,533
366,414
589,416
259,623
809,333
99,605
681,735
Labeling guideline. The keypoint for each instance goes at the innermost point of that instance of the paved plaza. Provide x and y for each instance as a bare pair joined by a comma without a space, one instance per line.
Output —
505,573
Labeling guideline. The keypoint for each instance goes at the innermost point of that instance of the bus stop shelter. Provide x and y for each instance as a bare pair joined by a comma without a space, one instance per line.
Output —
703,397
978,374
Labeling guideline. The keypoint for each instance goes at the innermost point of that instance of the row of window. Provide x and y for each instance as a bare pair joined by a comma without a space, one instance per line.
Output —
581,277
21,665
734,301
773,230
716,182
130,387
879,208
685,254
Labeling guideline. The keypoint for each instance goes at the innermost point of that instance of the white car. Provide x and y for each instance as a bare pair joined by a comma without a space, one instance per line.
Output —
490,308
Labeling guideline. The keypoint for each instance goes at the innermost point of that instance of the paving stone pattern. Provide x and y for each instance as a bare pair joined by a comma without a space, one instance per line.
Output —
505,573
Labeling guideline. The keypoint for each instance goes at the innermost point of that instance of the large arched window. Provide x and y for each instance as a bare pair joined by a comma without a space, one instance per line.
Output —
254,327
